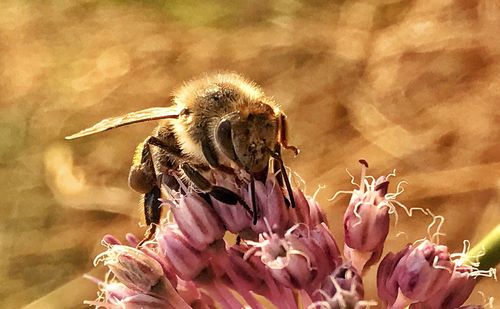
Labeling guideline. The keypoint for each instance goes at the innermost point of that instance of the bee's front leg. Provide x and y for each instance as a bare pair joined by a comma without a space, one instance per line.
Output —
219,193
283,131
281,175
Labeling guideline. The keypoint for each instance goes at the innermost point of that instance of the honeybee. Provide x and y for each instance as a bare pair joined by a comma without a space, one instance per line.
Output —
222,121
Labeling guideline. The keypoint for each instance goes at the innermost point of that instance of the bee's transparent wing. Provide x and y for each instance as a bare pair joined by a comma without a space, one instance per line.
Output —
154,113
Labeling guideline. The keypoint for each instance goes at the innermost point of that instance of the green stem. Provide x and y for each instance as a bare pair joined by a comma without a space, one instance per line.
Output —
487,250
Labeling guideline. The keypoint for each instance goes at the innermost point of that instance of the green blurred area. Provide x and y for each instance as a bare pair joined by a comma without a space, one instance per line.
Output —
411,85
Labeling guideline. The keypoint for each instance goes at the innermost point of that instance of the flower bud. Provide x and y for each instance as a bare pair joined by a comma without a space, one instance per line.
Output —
132,267
455,293
306,211
170,299
242,273
387,286
323,238
197,220
187,261
417,274
116,291
342,289
272,209
366,222
235,217
301,212
317,216
347,278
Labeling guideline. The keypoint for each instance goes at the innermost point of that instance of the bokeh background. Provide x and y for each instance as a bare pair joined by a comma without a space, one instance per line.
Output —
411,85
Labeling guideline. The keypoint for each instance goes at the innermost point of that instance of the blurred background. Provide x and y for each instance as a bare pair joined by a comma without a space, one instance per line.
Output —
407,85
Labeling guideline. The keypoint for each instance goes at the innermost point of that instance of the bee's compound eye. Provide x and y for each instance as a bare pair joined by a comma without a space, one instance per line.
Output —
224,139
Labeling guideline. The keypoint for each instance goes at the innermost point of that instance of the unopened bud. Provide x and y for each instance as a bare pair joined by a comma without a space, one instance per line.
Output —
416,276
132,267
366,222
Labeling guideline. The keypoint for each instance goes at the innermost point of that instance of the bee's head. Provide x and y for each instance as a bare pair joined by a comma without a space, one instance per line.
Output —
246,137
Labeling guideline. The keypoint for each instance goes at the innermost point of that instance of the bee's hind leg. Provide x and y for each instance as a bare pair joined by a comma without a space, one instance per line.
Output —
143,178
152,213
219,193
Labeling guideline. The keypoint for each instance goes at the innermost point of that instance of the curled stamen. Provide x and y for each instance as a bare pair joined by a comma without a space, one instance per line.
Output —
338,193
409,211
399,190
305,256
392,174
487,301
436,266
435,236
296,226
320,187
356,213
402,233
352,178
300,180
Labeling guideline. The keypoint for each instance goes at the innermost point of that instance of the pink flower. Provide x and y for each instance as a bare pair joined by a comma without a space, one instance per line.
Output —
307,211
342,289
366,222
346,278
417,275
197,220
187,261
455,293
234,217
132,267
300,259
271,206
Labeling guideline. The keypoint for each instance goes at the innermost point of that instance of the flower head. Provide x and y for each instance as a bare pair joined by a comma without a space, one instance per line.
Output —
415,274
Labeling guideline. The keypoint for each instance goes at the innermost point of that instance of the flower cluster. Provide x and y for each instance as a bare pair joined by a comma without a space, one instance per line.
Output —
289,257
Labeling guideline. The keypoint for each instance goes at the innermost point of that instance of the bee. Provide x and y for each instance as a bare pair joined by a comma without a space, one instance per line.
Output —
221,121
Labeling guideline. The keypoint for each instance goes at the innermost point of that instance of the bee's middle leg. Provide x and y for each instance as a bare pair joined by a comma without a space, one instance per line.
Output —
219,193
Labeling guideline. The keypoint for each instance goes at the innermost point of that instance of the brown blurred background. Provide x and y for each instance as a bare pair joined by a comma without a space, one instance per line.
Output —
411,85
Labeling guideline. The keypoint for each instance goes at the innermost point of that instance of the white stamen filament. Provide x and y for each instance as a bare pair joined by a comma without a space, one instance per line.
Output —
435,237
399,190
352,178
392,174
338,193
320,187
488,301
356,214
436,266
